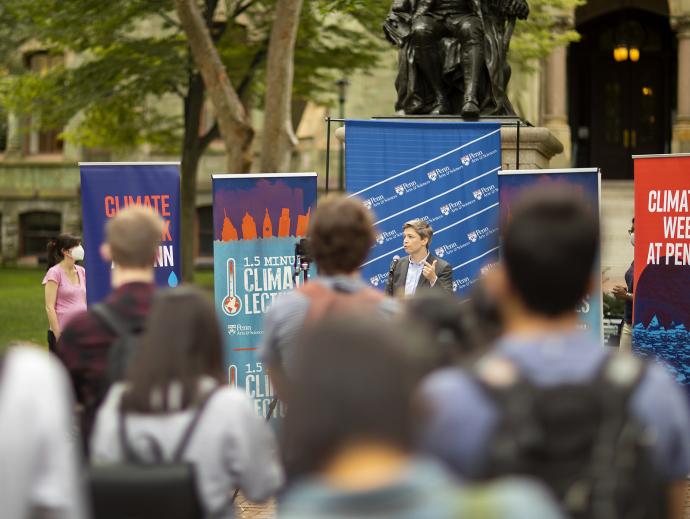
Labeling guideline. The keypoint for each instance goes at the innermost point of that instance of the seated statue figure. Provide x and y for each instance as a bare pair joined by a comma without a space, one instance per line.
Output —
453,55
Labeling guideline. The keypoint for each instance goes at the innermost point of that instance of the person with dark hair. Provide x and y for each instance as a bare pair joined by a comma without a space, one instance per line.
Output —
65,284
625,293
179,368
352,425
420,268
132,239
549,400
341,234
40,462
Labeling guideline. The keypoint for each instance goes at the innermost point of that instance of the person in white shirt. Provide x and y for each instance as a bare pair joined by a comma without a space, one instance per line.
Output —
179,365
39,452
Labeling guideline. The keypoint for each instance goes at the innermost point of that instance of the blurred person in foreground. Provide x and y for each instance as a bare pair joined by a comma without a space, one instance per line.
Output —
341,234
454,332
65,284
132,239
604,432
352,423
40,458
177,372
420,268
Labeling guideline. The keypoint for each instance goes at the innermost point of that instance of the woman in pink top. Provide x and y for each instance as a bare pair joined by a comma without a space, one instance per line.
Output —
65,284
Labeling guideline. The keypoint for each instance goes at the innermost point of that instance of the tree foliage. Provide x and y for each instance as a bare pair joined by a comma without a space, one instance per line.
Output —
130,53
546,28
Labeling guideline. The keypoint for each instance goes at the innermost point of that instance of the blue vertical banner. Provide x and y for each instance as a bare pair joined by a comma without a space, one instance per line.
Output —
108,187
586,182
444,173
257,220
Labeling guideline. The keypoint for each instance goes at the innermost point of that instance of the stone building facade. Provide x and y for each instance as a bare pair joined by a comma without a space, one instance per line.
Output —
601,107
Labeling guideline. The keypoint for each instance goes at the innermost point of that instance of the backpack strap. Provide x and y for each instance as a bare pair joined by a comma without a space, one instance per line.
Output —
132,456
324,300
113,320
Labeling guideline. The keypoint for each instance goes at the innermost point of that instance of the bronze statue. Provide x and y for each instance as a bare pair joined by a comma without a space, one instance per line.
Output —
453,55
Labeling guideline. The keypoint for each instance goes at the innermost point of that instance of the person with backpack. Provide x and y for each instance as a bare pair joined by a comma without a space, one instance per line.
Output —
341,234
352,423
609,434
86,344
175,407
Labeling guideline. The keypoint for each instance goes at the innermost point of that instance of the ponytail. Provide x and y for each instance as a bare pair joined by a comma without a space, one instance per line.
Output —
53,253
56,246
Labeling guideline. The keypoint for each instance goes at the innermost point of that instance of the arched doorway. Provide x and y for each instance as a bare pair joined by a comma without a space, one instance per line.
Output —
621,101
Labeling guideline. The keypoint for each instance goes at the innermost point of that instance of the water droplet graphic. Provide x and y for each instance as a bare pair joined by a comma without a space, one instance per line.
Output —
172,280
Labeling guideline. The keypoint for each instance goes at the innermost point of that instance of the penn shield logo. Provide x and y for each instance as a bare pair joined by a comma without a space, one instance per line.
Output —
445,210
440,252
232,329
472,236
380,239
367,203
465,159
456,285
477,194
374,280
433,175
400,190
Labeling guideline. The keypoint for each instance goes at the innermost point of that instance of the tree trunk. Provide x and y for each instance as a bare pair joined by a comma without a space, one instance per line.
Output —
191,152
234,125
279,138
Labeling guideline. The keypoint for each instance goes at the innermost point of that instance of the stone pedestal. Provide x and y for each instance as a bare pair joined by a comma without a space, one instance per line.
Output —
537,147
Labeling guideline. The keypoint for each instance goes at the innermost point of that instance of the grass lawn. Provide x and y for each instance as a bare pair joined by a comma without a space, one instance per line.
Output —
22,315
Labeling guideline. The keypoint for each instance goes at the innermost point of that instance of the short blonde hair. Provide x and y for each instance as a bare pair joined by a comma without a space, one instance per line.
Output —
134,235
421,227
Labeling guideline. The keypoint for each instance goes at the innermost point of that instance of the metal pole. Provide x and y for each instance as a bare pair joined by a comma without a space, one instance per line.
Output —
517,151
328,151
342,85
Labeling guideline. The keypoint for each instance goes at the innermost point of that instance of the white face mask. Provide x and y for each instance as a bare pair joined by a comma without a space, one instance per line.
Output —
77,253
632,239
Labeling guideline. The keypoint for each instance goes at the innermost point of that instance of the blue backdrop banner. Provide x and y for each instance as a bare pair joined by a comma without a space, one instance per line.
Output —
587,182
444,173
108,187
257,221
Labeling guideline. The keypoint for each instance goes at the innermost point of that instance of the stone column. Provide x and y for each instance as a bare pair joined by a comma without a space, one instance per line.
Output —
14,137
681,127
556,104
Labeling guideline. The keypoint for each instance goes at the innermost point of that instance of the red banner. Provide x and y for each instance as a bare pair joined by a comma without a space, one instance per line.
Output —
661,317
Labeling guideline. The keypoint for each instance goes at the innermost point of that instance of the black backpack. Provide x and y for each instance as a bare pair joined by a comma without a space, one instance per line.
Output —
124,346
140,489
580,440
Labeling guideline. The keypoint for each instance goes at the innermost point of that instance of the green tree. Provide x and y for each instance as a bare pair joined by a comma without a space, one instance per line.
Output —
548,26
125,57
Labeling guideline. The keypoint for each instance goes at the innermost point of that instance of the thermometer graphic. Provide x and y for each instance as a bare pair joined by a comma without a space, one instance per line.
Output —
231,304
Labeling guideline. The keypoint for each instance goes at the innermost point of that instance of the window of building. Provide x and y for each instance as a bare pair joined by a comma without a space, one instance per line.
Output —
44,140
35,229
204,216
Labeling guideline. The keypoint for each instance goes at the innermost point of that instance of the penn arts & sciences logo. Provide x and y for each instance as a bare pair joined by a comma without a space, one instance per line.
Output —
387,236
448,248
461,284
480,234
484,191
242,329
376,201
472,158
454,207
378,279
408,187
437,173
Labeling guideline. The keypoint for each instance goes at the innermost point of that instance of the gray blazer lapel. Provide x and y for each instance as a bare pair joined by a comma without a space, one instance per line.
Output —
404,264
